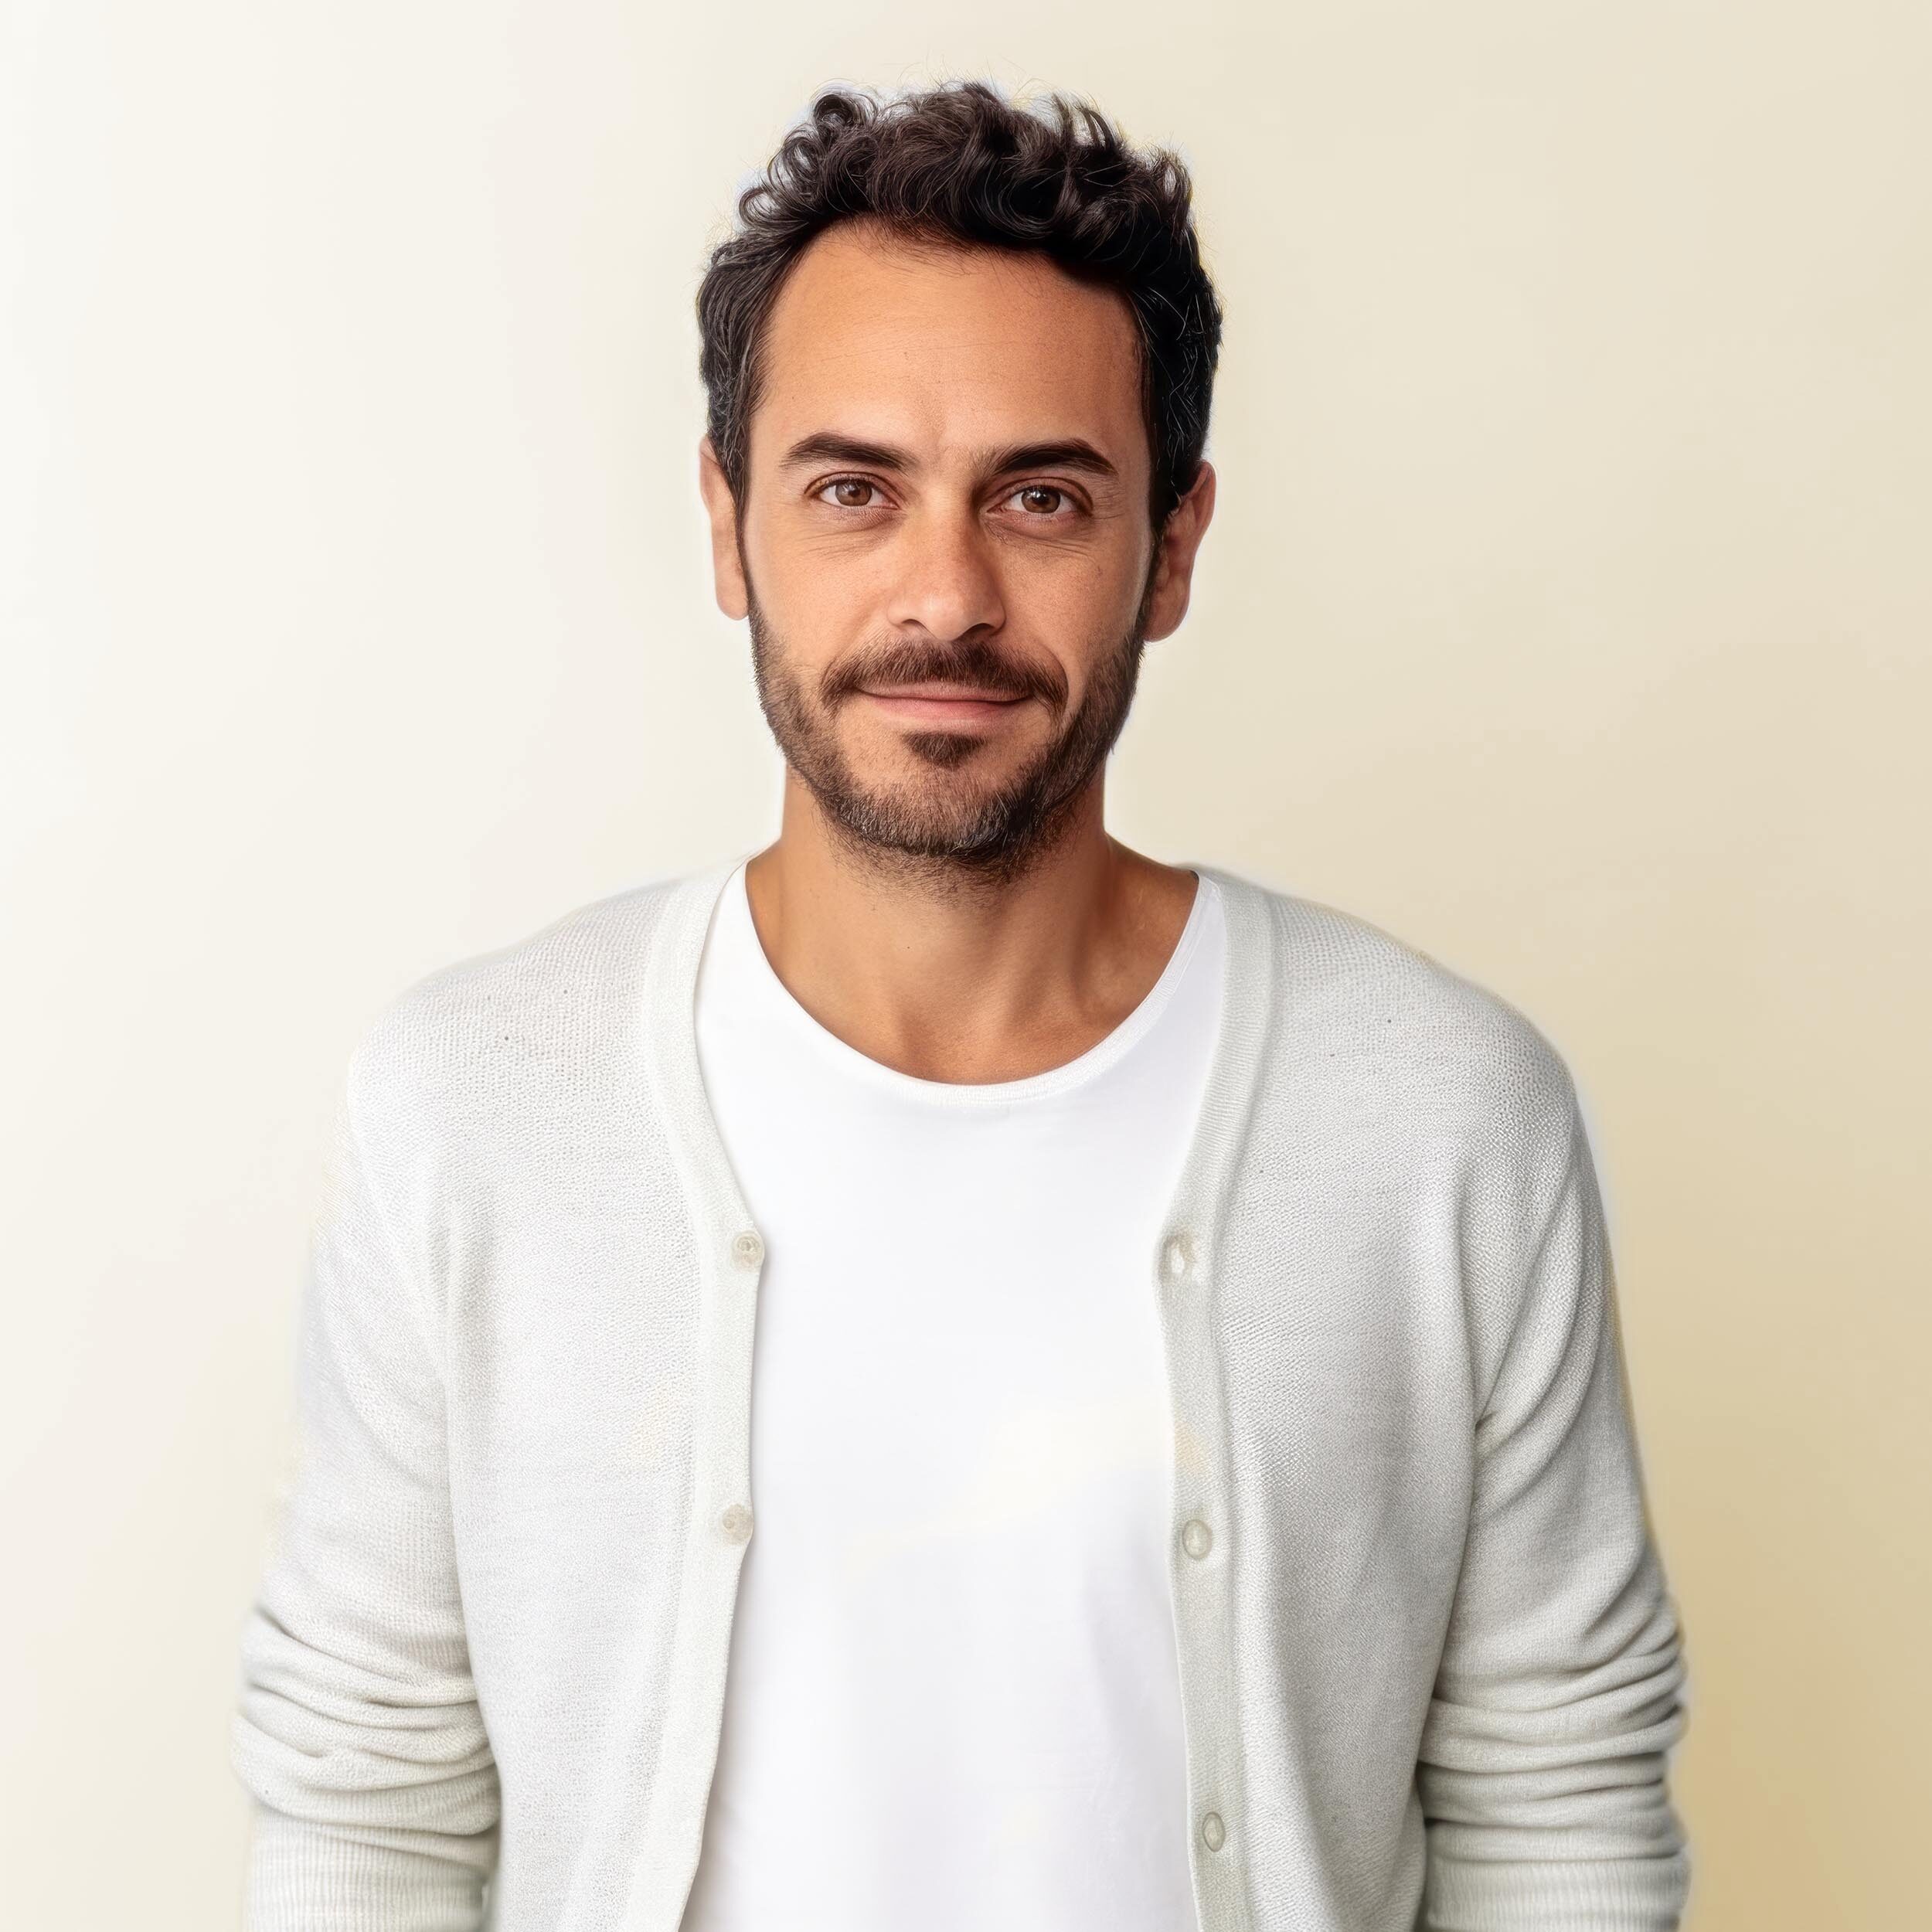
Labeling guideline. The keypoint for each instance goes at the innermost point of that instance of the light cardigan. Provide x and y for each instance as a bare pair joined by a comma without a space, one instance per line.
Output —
1428,1660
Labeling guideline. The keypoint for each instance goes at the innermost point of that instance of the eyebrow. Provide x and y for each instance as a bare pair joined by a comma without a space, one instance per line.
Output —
1067,453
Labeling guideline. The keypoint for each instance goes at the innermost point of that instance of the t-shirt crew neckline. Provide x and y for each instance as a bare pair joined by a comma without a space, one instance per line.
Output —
1102,1054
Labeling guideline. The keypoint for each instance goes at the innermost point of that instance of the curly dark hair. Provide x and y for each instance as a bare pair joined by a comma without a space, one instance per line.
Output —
960,164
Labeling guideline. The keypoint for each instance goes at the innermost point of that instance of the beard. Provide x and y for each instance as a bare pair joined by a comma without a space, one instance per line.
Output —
939,824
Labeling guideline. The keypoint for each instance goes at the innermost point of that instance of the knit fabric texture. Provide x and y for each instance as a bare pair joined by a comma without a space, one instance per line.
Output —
1431,1671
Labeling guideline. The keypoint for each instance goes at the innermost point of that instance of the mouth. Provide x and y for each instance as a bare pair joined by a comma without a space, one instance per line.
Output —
941,704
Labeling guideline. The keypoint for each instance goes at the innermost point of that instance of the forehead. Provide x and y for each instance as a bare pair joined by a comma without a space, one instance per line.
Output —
873,336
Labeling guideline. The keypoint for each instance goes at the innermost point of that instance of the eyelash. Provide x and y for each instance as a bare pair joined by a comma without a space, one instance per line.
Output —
1067,496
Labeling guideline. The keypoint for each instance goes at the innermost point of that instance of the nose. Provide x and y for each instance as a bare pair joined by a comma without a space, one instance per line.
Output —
946,582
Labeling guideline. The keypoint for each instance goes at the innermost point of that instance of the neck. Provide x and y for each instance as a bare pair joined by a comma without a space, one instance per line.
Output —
948,974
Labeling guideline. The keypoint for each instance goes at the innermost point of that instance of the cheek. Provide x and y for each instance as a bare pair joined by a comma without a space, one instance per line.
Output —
1078,609
1092,584
816,607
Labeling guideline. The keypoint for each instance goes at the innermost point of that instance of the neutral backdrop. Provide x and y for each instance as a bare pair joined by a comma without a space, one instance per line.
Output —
1566,614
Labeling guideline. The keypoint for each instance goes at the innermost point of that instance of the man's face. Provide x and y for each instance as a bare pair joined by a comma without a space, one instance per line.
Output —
943,551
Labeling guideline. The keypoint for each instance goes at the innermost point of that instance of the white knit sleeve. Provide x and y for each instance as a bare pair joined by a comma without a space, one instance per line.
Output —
376,1796
1544,1757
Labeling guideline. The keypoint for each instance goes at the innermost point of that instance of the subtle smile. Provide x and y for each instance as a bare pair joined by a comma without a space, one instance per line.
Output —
943,704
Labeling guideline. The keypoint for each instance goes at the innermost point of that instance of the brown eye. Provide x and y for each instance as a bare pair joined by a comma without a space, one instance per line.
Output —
1036,490
851,492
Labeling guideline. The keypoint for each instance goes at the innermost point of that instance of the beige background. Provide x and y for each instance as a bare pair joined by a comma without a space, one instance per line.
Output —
1566,613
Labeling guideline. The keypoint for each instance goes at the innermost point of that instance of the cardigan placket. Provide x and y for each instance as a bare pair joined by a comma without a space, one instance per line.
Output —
1182,1276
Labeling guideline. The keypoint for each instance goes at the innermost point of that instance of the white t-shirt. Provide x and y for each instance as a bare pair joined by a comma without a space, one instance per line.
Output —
953,1701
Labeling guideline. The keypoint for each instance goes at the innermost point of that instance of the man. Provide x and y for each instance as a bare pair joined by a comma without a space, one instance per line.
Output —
1188,1477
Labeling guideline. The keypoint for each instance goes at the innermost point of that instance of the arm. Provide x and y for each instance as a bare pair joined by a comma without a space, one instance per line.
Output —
358,1735
1544,1757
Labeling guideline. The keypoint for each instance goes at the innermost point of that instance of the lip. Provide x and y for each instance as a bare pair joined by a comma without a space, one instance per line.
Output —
943,704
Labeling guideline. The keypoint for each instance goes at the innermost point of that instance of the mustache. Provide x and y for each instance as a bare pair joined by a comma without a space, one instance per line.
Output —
978,665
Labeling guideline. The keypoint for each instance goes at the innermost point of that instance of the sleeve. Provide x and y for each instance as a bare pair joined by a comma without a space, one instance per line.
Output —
1543,1761
375,1799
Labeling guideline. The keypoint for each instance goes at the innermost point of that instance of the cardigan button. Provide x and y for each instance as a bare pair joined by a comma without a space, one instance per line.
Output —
1213,1832
1177,1256
735,1523
1197,1539
747,1249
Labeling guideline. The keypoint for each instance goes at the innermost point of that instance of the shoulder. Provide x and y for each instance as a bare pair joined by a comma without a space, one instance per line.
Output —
1381,1028
482,1028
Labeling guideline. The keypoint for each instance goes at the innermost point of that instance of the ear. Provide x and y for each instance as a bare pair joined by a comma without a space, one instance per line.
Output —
727,567
1174,573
